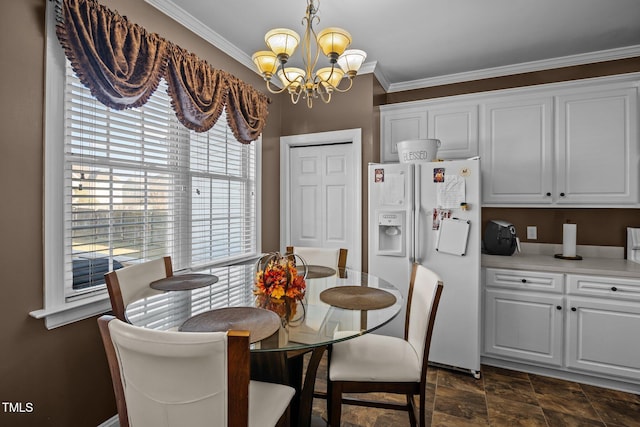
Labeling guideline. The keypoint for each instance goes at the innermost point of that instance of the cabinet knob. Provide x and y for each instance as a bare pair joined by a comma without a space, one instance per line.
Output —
558,307
524,280
574,309
613,288
561,194
548,194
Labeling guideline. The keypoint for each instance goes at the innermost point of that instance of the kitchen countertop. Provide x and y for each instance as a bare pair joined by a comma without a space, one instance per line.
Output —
600,261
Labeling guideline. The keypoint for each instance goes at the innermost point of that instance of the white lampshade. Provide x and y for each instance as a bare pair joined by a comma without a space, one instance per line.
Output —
351,61
326,76
294,77
282,41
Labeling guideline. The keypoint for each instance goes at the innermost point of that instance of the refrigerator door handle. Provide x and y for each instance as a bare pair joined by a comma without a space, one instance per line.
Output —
412,238
416,215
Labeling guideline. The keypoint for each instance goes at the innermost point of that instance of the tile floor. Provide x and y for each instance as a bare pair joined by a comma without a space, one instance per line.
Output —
500,398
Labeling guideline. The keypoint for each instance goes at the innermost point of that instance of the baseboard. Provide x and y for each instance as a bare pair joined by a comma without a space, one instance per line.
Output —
111,422
564,375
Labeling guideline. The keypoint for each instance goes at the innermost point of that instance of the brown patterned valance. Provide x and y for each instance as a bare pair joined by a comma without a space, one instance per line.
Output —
122,64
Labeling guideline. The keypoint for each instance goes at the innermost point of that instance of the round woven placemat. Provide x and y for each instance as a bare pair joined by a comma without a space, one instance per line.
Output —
317,271
184,282
259,322
357,297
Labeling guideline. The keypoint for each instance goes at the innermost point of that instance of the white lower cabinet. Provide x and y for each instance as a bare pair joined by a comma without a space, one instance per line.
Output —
586,325
603,325
524,325
604,337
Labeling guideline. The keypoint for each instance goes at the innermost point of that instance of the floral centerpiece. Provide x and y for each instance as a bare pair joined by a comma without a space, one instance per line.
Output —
279,286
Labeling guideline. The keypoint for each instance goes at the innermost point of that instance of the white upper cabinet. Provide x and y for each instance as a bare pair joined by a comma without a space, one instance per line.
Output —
399,125
575,145
597,146
517,150
456,127
454,124
569,144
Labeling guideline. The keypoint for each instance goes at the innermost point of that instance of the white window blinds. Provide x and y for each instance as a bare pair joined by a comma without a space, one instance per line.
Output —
138,185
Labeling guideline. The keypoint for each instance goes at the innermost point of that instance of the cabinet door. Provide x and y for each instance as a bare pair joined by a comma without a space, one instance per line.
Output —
597,147
517,151
603,336
457,128
524,325
398,126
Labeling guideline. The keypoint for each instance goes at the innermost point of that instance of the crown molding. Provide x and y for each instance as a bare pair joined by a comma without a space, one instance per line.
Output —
525,67
188,21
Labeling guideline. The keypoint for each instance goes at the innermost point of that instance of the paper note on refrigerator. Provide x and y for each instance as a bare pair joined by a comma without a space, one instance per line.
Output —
451,192
453,236
393,193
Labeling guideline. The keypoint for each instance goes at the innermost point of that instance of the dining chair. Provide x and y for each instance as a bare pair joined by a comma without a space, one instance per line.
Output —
379,363
190,379
328,257
130,283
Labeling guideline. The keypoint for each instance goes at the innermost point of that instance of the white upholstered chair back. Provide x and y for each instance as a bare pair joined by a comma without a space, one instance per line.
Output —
425,284
130,283
135,279
172,378
328,257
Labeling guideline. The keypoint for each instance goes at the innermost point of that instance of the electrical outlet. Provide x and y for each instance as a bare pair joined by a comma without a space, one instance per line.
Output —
532,232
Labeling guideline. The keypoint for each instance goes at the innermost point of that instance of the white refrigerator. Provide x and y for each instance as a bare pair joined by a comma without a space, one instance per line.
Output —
430,213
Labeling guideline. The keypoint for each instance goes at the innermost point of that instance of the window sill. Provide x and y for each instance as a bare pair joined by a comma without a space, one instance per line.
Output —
64,314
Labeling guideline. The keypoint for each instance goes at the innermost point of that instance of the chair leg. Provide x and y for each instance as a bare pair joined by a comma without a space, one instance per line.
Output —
334,404
423,409
411,408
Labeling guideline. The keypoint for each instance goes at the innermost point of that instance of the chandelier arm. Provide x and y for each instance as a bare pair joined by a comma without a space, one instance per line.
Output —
345,89
275,91
325,94
295,96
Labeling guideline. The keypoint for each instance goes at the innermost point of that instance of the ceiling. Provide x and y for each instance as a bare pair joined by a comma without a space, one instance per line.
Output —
419,43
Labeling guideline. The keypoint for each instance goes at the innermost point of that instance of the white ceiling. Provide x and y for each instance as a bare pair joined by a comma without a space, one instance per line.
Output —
420,43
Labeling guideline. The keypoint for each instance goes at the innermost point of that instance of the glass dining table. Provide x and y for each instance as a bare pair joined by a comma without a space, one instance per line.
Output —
338,305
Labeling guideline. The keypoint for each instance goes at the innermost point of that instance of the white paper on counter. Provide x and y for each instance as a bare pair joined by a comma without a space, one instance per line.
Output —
451,192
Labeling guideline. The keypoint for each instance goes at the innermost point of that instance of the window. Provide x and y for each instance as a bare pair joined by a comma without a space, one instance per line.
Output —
127,186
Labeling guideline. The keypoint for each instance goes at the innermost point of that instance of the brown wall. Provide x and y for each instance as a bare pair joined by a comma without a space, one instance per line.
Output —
62,372
601,227
354,109
518,80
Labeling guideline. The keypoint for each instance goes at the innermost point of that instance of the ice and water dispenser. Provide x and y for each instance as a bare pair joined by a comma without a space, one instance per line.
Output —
391,233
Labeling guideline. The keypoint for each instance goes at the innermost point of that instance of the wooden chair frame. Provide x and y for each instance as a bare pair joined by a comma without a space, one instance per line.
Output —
335,389
115,293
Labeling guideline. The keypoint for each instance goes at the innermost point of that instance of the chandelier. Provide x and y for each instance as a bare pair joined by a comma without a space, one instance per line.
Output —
309,83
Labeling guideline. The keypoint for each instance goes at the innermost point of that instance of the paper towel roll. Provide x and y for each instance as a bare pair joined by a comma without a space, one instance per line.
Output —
569,232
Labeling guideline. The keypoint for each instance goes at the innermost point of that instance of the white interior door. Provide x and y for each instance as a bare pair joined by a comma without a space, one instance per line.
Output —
323,206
